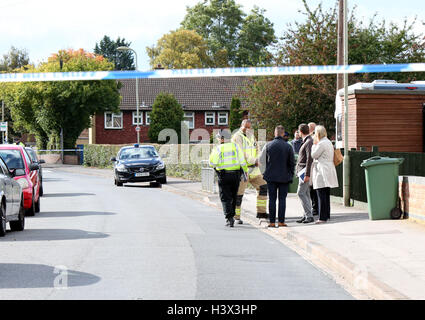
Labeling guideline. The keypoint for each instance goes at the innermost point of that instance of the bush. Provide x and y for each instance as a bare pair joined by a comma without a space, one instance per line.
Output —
166,113
99,155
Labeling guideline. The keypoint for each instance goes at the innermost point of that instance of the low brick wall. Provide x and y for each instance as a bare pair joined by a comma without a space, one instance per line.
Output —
51,158
412,193
69,159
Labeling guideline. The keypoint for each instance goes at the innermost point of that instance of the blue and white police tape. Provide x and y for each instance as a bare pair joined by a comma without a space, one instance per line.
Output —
218,72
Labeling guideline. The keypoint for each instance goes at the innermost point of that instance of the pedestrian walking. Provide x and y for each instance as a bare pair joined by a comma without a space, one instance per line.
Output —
303,170
324,172
229,163
278,161
313,194
245,140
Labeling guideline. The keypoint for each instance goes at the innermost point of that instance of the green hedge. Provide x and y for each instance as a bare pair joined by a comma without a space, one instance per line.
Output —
99,155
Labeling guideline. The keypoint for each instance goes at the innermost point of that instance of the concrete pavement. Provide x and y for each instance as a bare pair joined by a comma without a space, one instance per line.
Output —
93,240
372,259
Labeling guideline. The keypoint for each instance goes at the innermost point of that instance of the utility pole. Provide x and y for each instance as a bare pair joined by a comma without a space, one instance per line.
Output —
346,165
340,54
61,133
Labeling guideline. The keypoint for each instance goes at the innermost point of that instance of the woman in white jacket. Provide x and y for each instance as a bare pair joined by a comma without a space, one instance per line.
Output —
324,172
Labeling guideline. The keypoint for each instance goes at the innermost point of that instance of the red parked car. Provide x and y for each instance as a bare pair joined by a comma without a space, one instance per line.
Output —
25,173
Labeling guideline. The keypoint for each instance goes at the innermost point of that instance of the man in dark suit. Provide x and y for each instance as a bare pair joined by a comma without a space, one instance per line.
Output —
278,164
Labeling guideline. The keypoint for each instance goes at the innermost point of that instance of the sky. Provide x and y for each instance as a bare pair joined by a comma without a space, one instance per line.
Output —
45,26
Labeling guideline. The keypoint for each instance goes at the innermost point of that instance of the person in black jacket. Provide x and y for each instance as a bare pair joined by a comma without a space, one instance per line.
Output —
277,161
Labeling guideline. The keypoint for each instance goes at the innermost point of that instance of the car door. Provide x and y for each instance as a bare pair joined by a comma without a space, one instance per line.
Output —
6,187
16,189
32,174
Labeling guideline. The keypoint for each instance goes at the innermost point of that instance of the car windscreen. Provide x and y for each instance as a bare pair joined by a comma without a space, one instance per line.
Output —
138,153
32,154
13,159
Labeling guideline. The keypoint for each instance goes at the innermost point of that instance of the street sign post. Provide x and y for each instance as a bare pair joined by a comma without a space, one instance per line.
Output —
3,126
3,130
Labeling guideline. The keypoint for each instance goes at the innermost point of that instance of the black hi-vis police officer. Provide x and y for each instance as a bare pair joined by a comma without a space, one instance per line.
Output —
229,162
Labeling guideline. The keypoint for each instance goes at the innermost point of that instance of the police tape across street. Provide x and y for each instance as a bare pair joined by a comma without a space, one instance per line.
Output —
213,72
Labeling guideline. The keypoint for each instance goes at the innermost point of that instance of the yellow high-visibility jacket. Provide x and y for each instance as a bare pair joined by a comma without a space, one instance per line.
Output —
248,145
227,156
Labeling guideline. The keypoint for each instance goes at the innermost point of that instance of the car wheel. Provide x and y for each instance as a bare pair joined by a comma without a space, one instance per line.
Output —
119,184
3,220
162,181
19,225
41,189
37,205
31,211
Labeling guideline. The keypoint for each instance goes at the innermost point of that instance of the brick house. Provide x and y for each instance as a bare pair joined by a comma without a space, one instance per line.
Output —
205,102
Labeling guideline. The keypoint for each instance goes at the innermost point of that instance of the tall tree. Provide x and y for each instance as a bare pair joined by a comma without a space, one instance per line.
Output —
166,113
43,108
180,49
256,35
291,100
236,114
233,38
14,59
108,48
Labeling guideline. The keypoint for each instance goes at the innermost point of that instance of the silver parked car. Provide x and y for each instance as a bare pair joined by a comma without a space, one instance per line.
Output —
12,201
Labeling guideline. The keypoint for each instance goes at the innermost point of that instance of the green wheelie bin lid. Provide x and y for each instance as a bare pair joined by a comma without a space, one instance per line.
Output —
380,160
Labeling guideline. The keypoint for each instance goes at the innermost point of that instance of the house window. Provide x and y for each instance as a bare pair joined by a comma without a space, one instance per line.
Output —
148,118
135,118
223,118
113,120
189,119
209,118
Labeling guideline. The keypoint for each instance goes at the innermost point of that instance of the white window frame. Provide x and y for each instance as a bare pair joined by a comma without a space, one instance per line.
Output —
140,117
148,118
208,117
221,115
189,114
113,115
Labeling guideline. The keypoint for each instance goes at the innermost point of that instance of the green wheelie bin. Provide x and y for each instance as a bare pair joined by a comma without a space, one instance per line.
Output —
381,186
293,187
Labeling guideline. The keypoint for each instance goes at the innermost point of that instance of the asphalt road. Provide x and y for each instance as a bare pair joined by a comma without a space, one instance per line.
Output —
93,240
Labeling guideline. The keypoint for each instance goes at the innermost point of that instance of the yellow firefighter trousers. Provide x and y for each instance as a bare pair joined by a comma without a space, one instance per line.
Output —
258,183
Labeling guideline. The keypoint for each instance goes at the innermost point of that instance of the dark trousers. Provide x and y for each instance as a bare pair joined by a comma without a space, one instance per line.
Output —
277,189
228,185
314,201
324,197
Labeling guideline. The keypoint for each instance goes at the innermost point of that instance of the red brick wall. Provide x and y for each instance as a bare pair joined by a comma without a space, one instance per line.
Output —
200,123
128,133
412,194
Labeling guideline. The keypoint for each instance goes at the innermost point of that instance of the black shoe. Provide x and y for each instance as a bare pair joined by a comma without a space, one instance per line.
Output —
308,220
240,221
301,220
230,222
262,216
